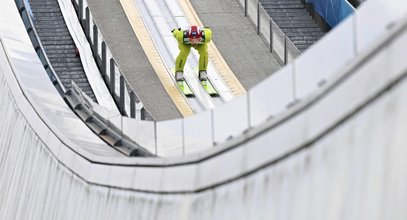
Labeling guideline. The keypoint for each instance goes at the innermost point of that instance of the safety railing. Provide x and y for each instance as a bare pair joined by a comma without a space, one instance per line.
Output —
277,40
124,95
101,126
27,17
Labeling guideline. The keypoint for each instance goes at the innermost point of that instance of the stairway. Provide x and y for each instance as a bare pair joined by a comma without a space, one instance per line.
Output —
60,48
293,19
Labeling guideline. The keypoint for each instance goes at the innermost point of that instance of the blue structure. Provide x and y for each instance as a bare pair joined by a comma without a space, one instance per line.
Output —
333,11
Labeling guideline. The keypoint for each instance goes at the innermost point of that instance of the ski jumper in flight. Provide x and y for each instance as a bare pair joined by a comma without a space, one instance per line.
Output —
195,37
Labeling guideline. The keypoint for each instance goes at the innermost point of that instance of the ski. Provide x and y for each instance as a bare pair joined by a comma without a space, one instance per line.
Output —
183,86
207,85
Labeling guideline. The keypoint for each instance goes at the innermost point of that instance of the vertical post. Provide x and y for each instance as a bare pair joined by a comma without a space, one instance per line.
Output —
80,11
112,78
258,18
87,24
245,8
95,41
122,96
132,105
143,114
104,61
285,49
271,36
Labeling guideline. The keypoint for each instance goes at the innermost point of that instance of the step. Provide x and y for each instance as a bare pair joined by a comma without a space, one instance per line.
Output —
71,75
48,18
305,37
55,38
46,9
60,47
287,15
57,42
75,64
64,59
302,47
48,14
60,55
284,6
59,51
79,82
39,3
297,25
53,34
67,69
287,10
298,42
301,30
35,4
278,2
303,17
309,34
294,20
52,30
49,22
50,26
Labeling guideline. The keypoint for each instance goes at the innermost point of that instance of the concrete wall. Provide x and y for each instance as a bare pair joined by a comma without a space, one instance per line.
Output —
338,154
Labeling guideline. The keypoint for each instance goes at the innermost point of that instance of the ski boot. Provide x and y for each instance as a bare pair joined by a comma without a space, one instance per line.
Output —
179,76
203,75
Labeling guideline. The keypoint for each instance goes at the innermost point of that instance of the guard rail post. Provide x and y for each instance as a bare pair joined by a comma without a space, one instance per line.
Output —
87,24
258,18
80,9
143,114
122,96
95,42
271,36
112,78
245,8
132,105
104,72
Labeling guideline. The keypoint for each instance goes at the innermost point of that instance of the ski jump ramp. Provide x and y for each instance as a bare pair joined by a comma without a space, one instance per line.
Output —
337,152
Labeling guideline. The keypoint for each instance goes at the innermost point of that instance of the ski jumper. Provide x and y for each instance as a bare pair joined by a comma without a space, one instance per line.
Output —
185,42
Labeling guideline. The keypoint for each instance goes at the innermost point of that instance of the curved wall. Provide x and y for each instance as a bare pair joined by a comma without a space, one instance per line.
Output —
346,174
338,154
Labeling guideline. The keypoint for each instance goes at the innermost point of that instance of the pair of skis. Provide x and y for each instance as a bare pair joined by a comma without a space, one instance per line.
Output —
206,84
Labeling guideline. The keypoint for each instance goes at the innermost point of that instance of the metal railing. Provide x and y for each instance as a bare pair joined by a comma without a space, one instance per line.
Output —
101,126
26,15
123,94
277,40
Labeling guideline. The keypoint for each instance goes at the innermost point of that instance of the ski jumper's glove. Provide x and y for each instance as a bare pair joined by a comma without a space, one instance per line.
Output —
208,34
178,34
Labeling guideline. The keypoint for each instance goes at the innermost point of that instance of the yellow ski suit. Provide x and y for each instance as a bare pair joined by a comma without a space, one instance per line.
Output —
186,48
